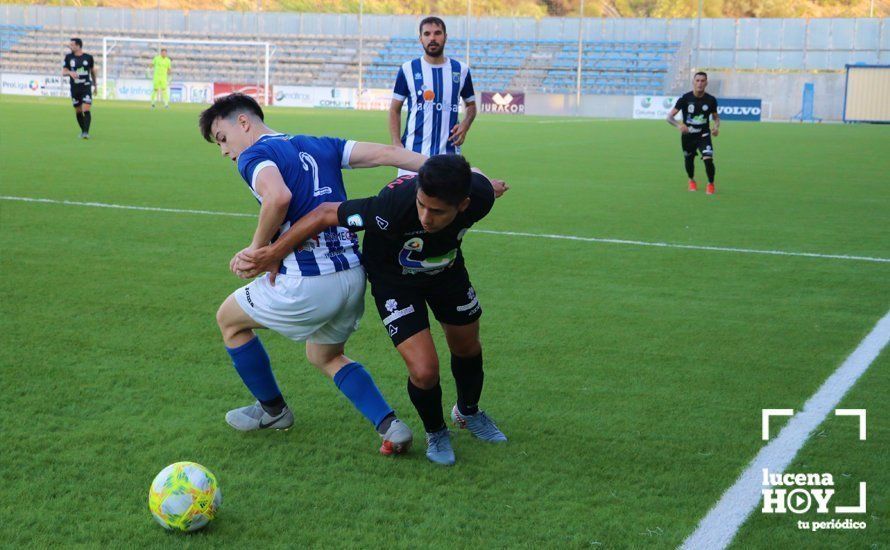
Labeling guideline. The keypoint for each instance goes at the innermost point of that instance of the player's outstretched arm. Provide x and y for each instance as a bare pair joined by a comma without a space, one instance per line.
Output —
252,262
371,155
499,186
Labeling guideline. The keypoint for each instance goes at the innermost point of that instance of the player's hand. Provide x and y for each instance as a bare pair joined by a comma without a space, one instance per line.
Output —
458,134
236,266
253,261
715,132
500,187
683,129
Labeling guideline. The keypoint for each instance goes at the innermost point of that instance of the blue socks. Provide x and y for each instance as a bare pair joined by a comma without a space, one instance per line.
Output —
357,385
252,363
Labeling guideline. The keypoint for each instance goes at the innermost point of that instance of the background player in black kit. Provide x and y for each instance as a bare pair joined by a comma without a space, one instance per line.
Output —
697,106
413,232
81,70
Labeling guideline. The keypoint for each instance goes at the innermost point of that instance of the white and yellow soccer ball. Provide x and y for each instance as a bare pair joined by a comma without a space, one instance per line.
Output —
184,496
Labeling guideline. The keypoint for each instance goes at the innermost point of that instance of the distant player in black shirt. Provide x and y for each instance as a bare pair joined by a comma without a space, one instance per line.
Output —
81,71
697,106
412,255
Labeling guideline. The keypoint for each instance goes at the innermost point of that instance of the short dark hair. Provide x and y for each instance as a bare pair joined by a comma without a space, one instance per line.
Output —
224,107
704,74
432,21
445,177
78,41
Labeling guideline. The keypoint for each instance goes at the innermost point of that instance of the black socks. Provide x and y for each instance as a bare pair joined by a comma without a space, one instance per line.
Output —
87,118
274,406
79,120
690,166
468,377
709,168
429,406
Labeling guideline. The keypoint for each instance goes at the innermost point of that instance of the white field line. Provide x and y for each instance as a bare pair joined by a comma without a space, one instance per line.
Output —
721,524
655,244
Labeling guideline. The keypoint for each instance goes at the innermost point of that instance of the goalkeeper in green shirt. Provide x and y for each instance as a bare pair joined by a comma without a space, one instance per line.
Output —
161,64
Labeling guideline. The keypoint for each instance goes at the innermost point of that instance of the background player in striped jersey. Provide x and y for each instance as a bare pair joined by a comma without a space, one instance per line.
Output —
321,297
433,85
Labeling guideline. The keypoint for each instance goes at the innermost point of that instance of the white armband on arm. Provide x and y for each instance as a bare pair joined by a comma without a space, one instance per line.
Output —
347,153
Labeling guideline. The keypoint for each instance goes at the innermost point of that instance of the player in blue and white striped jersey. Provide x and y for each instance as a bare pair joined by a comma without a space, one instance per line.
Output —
321,298
433,85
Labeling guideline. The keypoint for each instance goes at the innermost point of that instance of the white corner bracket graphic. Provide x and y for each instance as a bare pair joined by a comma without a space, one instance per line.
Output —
854,412
765,414
854,509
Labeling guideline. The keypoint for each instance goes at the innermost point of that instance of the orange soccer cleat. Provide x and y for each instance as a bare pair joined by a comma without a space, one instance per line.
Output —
709,190
693,186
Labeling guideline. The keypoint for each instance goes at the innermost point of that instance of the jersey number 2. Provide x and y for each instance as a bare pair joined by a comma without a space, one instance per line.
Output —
311,166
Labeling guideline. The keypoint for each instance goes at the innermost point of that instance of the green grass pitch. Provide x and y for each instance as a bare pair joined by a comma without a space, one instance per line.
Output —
628,378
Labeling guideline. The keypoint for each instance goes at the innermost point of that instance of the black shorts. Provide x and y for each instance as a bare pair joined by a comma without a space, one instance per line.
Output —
403,308
81,94
700,142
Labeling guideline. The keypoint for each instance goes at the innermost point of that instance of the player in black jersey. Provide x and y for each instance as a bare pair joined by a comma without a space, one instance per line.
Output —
697,108
81,71
412,255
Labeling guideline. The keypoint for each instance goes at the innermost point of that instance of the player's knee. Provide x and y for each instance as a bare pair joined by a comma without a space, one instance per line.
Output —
425,375
471,347
225,324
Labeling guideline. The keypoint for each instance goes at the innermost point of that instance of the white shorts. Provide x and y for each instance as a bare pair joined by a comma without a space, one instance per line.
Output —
324,309
405,173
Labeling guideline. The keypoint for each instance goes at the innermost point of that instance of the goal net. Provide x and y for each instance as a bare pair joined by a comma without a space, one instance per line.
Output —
200,69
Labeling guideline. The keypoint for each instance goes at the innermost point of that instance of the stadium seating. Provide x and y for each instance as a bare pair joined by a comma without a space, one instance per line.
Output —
549,66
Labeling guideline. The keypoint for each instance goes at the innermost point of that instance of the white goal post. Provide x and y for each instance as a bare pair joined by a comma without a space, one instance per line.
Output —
109,42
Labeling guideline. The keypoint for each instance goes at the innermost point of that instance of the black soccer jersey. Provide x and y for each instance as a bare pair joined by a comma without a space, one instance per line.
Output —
697,111
82,65
397,249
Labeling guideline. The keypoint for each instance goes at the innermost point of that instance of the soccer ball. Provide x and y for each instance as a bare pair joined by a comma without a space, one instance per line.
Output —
184,496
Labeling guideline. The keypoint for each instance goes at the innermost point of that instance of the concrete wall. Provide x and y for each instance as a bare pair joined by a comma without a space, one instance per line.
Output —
782,93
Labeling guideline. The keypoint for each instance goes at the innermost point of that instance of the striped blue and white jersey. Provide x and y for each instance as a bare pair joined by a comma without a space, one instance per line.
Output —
433,93
311,169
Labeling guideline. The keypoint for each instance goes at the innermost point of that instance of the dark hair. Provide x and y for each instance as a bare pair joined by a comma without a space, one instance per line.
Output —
78,41
432,21
445,177
224,107
704,74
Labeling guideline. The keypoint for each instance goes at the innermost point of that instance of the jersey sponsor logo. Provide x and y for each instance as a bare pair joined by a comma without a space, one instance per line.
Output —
418,76
381,223
430,266
355,220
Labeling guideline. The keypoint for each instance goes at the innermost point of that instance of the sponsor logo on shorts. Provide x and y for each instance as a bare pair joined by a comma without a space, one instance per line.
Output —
394,312
473,305
247,295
